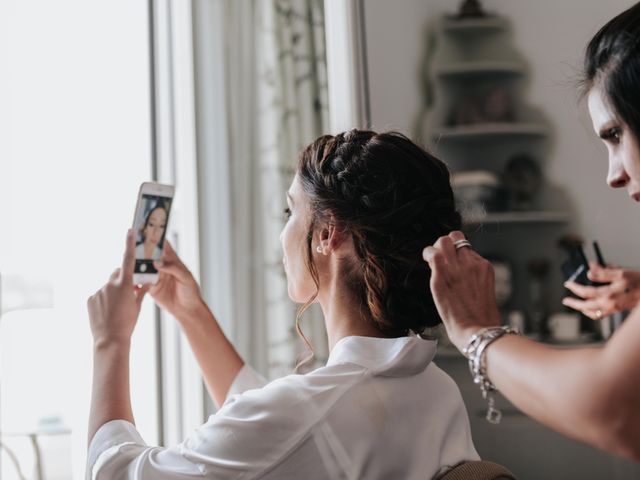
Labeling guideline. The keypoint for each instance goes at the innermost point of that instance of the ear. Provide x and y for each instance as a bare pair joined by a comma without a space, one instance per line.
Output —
331,236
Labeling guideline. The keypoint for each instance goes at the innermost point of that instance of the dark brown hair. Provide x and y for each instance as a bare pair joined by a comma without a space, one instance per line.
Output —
612,60
393,198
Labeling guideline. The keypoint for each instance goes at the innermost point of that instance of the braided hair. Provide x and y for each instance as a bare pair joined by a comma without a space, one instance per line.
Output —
393,199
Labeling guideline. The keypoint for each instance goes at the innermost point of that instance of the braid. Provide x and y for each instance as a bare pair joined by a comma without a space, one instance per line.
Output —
393,199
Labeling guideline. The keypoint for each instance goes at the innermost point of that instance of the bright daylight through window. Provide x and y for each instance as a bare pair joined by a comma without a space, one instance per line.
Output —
75,103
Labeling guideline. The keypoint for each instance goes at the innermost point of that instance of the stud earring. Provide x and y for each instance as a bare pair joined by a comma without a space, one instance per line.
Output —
319,249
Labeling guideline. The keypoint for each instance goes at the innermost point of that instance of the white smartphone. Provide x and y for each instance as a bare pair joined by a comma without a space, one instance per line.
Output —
150,228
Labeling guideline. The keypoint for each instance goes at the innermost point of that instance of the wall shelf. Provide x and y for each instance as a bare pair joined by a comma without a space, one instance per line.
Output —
490,131
533,217
480,68
474,26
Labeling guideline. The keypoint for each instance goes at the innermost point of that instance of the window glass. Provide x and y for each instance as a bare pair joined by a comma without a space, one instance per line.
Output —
75,147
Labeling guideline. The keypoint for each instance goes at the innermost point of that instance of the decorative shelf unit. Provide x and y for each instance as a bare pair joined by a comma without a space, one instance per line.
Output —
474,26
480,68
519,218
480,124
490,131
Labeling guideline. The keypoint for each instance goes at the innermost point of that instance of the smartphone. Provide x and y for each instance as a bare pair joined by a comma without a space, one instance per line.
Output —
150,222
576,267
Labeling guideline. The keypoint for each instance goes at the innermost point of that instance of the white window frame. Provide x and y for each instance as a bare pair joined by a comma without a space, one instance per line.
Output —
181,389
191,139
346,65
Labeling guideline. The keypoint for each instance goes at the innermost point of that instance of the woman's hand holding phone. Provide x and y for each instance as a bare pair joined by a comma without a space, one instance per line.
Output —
621,292
114,309
176,290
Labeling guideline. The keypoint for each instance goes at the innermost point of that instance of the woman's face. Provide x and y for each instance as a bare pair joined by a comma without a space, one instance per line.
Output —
293,237
155,226
621,143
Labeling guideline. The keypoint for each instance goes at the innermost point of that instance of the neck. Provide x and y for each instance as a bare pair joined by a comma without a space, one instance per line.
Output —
148,249
342,315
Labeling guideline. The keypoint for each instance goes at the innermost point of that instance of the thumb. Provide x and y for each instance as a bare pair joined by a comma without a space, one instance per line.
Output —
176,270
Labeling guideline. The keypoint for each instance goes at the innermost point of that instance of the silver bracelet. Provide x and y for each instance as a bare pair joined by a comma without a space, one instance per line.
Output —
474,351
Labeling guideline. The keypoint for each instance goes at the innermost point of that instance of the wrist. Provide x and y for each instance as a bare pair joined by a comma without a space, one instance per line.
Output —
463,336
111,344
195,315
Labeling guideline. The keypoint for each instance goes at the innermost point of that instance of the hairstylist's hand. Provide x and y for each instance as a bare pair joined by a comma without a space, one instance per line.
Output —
114,309
462,283
621,293
176,291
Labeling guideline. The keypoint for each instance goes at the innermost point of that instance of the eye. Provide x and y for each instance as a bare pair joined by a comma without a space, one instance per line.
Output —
287,213
612,135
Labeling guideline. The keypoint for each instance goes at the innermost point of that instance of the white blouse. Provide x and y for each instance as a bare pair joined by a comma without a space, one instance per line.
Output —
379,409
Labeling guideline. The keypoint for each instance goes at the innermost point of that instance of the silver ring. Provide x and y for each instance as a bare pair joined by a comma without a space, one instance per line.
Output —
462,243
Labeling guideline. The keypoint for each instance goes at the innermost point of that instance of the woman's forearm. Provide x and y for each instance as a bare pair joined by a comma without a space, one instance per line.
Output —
110,398
218,359
584,393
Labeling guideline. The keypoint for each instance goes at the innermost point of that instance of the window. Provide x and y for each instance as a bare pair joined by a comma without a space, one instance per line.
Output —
76,91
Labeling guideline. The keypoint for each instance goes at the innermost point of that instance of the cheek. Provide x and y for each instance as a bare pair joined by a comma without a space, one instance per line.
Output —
299,281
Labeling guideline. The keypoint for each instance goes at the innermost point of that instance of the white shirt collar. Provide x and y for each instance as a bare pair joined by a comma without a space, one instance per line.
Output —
389,357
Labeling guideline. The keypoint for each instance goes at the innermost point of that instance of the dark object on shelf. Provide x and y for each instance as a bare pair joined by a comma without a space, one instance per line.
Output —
471,9
503,273
522,178
494,107
538,270
498,106
465,112
570,241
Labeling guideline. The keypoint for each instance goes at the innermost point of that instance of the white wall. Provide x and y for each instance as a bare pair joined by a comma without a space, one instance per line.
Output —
551,37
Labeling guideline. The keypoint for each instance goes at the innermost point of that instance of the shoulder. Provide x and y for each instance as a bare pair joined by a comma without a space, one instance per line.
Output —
317,391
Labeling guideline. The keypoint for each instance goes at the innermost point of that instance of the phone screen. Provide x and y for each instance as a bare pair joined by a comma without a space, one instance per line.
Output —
150,227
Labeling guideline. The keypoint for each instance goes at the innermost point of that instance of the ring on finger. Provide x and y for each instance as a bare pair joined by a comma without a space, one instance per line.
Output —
458,244
598,314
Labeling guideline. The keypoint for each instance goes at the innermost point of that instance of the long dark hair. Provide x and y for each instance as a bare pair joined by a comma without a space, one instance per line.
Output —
393,199
612,62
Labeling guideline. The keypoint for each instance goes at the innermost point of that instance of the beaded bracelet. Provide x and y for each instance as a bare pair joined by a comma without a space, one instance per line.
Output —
474,351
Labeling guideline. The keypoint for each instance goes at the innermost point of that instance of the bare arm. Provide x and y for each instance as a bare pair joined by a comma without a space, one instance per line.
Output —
113,313
590,394
218,359
110,397
178,292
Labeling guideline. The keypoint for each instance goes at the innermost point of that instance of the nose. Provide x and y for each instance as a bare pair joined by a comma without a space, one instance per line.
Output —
617,176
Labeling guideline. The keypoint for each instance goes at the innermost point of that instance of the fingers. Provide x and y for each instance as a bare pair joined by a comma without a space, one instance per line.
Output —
457,235
169,254
177,270
443,254
129,258
445,244
593,309
601,274
587,291
115,275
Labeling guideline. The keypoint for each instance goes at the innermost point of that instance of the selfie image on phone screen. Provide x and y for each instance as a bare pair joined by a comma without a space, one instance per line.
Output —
150,226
